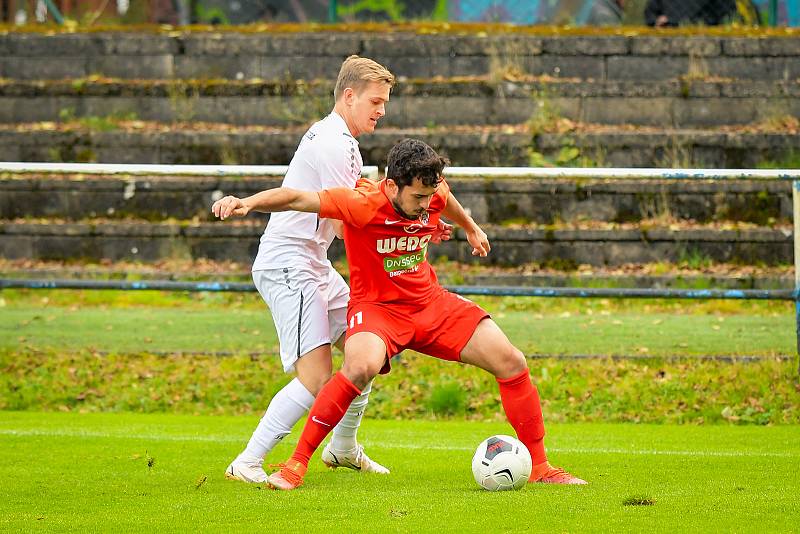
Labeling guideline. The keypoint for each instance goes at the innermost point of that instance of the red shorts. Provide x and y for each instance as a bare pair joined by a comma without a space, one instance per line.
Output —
441,329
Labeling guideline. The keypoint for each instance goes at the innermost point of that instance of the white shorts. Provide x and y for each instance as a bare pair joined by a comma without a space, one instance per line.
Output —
309,308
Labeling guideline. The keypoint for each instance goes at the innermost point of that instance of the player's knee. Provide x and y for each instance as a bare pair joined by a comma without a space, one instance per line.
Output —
510,362
359,372
313,380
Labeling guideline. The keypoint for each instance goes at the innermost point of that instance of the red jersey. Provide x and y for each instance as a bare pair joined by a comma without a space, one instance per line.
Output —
387,253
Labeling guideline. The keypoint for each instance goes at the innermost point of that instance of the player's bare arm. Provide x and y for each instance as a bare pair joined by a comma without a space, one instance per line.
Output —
269,201
476,237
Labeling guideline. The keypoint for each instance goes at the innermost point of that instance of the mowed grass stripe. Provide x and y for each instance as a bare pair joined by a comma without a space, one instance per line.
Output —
394,445
131,330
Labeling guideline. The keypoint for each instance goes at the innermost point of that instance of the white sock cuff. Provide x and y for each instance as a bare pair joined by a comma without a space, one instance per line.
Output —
367,389
298,393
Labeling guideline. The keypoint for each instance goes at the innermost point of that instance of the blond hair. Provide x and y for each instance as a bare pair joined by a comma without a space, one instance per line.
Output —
356,72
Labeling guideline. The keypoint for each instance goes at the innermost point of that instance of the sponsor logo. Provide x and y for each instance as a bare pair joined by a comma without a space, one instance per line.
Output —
314,418
402,244
387,221
404,262
413,228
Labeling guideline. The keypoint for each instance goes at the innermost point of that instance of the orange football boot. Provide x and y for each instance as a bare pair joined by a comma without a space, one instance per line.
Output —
547,474
289,477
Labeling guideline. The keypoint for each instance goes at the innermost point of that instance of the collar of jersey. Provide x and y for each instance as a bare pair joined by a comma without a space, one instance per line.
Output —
340,122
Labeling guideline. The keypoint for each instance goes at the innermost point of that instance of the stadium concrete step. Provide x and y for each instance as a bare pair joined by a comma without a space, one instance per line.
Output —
412,51
682,103
491,200
561,245
565,144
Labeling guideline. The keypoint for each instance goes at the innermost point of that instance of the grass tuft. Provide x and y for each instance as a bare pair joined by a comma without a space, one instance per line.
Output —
638,501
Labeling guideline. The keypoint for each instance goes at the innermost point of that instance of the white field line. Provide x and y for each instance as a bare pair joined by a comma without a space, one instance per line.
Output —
401,445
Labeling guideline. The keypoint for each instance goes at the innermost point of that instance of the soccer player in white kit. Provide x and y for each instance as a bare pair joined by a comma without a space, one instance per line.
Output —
306,296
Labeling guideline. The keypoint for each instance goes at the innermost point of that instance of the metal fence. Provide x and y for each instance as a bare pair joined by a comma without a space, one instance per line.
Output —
526,12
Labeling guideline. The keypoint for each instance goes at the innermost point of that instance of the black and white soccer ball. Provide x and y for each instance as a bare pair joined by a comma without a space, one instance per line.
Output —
501,463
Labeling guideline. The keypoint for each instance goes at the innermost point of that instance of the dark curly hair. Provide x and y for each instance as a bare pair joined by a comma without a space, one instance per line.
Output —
412,158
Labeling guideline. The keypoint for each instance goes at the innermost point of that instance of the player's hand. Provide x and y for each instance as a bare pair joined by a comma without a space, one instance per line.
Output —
443,232
479,241
229,206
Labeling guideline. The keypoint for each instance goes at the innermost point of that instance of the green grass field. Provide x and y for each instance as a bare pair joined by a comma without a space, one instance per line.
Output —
162,469
140,321
90,472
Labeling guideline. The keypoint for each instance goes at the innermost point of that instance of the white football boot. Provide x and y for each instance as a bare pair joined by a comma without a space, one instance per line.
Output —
250,472
355,459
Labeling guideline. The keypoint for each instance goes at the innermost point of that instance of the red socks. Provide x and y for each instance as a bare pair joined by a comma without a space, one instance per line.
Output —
330,406
521,403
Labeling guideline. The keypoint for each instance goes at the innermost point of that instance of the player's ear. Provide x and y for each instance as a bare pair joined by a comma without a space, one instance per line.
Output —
392,187
348,95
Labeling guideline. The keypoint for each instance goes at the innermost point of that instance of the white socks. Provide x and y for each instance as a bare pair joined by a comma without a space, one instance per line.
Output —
287,407
344,434
284,410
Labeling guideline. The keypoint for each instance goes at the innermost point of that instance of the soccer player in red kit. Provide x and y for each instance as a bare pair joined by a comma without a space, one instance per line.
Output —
396,302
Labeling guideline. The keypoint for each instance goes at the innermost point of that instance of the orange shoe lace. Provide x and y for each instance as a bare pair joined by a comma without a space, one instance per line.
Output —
290,474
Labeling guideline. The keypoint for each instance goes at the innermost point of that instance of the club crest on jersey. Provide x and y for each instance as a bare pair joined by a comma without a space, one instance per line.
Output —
423,218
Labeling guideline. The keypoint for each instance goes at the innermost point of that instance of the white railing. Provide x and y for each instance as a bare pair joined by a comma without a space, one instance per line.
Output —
157,170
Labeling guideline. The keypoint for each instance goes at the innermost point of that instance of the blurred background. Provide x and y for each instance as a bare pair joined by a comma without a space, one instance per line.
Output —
561,12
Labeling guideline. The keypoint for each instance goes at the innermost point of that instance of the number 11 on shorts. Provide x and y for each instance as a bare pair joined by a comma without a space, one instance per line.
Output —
357,318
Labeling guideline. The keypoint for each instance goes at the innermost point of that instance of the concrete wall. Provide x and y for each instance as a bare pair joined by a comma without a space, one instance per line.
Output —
318,55
490,201
484,147
239,242
414,103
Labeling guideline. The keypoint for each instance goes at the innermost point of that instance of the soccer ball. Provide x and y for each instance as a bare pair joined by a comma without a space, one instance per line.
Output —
501,463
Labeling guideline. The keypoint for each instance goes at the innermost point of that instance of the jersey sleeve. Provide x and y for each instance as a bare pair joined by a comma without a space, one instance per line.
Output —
333,165
353,206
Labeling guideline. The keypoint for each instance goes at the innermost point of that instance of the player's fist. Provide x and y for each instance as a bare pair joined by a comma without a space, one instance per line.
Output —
443,232
229,206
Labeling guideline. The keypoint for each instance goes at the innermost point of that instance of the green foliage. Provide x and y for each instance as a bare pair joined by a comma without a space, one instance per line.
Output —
791,160
66,114
547,118
96,124
596,390
210,15
389,8
567,155
447,398
440,12
694,259
545,113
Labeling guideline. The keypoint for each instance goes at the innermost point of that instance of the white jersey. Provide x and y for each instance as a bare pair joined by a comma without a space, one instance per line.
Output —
327,156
